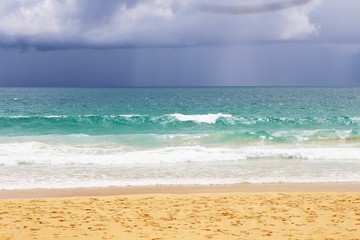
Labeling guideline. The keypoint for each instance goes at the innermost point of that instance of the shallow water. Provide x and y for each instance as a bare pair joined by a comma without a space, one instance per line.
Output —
141,136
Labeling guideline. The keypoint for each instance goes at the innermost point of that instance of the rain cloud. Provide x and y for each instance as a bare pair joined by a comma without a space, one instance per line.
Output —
47,24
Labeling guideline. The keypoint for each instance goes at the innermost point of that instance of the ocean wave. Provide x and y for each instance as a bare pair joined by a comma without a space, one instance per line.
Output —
71,182
232,139
198,118
206,118
167,123
103,154
209,118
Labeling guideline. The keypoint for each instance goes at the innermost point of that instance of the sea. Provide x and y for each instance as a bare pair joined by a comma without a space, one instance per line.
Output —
101,137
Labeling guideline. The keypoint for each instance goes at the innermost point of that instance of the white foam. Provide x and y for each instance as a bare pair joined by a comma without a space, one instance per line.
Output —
37,116
355,119
28,176
128,115
200,118
19,116
63,162
103,153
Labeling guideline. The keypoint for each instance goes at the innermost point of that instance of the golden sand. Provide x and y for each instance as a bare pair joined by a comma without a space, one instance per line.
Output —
185,216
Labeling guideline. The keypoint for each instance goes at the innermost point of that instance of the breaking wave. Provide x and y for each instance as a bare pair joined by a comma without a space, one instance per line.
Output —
115,124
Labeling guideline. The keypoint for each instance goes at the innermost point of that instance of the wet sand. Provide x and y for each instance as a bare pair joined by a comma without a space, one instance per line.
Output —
276,211
180,189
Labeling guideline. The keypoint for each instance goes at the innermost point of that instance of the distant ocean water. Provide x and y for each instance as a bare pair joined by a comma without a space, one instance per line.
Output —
59,138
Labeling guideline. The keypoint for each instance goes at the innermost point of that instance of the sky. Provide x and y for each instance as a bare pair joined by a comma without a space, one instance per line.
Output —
117,43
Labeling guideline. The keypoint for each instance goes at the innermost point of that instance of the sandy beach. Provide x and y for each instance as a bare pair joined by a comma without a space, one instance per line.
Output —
307,211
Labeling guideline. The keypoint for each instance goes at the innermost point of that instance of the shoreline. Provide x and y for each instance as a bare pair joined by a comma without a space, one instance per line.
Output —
180,189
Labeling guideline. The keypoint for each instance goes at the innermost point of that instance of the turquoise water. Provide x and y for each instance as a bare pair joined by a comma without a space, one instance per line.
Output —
238,113
223,135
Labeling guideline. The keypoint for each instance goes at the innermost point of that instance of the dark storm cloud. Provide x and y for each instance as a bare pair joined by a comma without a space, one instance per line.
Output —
55,24
76,24
172,43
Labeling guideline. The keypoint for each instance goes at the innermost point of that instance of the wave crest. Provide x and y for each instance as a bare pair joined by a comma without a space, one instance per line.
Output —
205,118
168,123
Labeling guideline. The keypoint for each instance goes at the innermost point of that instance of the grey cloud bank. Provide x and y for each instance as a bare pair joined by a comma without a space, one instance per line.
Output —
142,23
174,43
51,24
